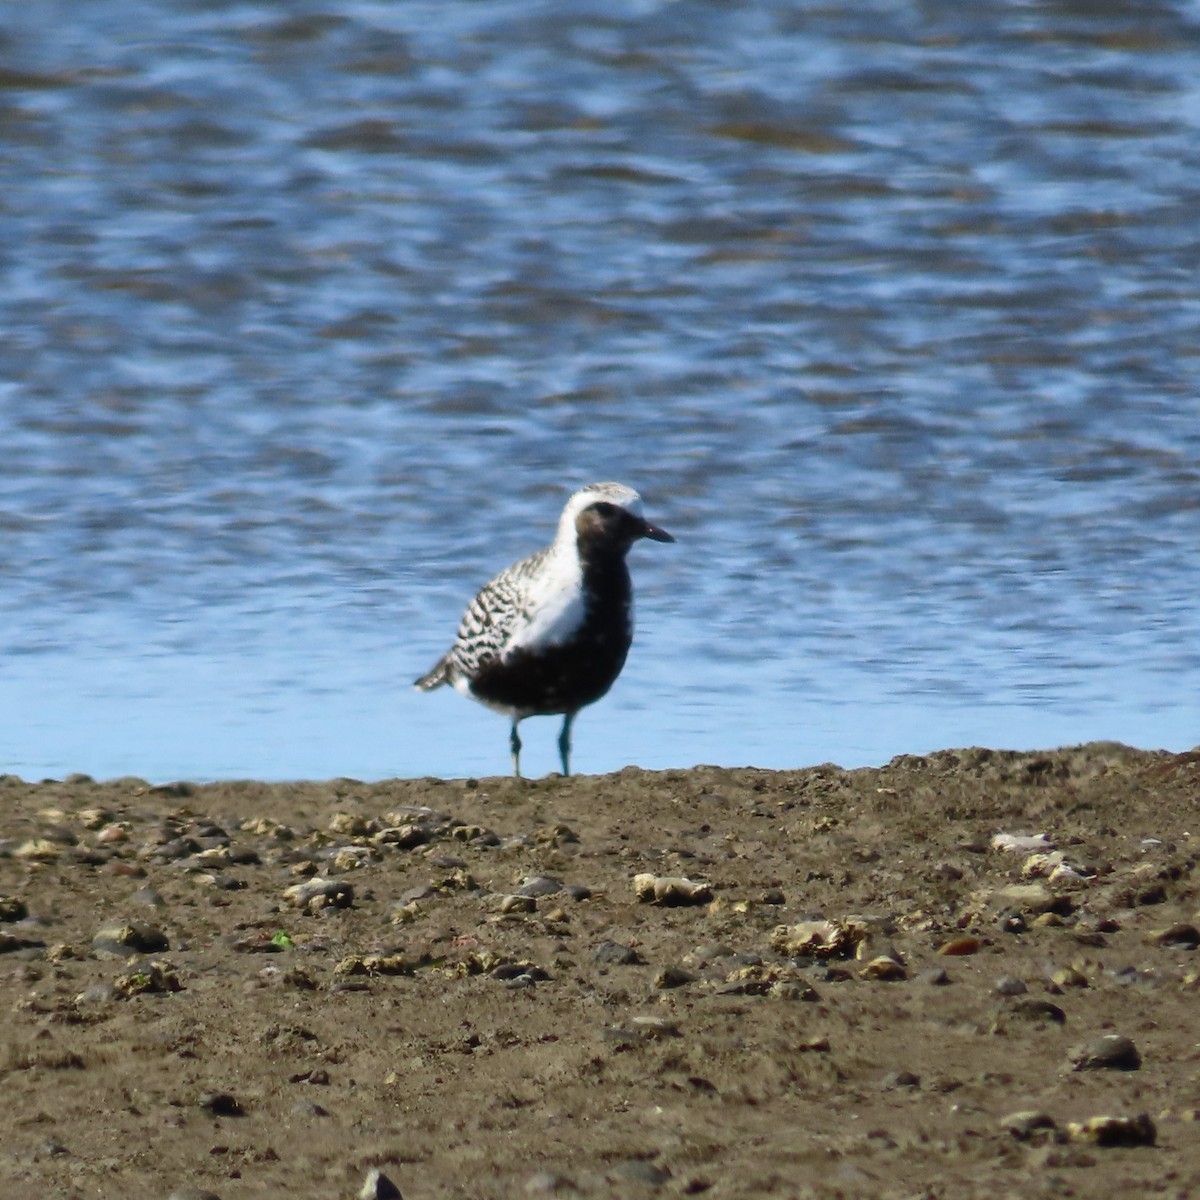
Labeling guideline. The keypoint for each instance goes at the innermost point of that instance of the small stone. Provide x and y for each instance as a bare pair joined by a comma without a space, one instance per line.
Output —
351,825
901,1079
960,946
548,1183
1029,1126
309,1108
1174,937
672,977
638,1170
1012,922
1010,985
812,1045
640,1029
934,977
98,993
1034,898
884,968
819,939
1015,843
9,943
1112,1052
38,850
377,1186
316,894
1114,1131
126,941
536,886
614,954
192,1193
220,1104
12,909
1068,977
670,891
1031,1009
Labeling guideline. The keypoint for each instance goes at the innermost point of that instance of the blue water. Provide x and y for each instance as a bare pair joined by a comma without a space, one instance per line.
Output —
312,315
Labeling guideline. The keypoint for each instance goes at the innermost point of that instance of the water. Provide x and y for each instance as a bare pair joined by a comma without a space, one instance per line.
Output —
313,314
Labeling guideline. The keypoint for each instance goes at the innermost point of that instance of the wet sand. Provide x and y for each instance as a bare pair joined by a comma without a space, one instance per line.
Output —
731,983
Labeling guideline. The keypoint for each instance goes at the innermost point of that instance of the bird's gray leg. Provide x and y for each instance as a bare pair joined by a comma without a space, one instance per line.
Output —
564,743
514,742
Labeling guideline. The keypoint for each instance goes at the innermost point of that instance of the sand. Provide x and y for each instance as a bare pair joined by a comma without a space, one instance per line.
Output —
833,983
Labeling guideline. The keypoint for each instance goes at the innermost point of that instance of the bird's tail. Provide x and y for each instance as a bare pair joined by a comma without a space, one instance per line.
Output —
438,676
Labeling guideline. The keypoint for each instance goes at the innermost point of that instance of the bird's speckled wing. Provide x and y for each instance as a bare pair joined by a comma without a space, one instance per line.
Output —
496,616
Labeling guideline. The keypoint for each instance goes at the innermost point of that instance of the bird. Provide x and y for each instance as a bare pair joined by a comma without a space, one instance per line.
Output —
550,634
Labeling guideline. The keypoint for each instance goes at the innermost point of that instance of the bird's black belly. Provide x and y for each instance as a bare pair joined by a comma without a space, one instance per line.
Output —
565,677
554,679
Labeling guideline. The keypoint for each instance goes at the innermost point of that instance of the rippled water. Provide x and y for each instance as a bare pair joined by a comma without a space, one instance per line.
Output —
313,314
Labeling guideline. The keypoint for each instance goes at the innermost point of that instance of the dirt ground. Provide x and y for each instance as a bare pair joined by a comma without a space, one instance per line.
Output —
833,983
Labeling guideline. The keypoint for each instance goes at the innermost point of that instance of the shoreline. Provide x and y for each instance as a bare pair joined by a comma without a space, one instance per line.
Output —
141,783
711,981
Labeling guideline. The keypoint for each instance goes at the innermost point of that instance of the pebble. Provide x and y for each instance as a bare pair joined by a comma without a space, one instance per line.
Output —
1015,843
824,939
1068,977
1114,1131
549,1183
1010,985
639,1170
1030,1125
1112,1052
1175,937
220,1104
10,943
38,850
309,1108
670,891
672,977
316,894
536,886
640,1029
1033,898
614,954
98,993
711,951
1031,1009
884,968
126,941
12,909
192,1193
960,946
377,1186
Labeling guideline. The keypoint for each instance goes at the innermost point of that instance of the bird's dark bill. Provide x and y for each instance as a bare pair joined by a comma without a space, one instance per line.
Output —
655,534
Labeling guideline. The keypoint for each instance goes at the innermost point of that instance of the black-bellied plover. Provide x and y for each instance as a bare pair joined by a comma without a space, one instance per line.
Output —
550,634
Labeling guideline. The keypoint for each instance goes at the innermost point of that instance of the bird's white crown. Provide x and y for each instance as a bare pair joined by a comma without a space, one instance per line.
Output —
613,493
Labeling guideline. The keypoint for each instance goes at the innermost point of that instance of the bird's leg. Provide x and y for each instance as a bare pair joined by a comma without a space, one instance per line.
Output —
514,742
564,743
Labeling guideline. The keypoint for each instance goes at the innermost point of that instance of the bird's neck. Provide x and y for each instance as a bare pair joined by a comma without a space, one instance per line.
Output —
603,572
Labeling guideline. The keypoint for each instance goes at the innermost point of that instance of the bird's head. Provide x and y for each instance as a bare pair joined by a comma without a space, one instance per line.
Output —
609,516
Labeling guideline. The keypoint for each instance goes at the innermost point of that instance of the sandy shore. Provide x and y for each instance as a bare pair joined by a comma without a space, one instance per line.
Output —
832,983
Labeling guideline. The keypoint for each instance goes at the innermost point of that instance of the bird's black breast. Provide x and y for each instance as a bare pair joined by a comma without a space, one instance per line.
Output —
567,676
